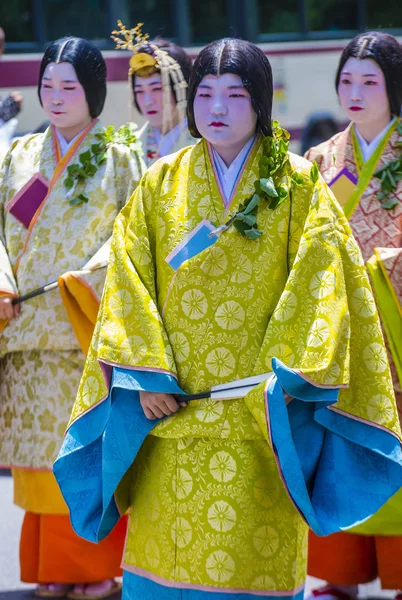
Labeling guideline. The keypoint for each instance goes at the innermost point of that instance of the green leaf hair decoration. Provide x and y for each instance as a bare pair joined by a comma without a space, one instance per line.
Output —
268,186
90,160
390,175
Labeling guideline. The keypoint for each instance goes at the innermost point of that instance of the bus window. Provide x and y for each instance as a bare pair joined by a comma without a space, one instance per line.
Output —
331,16
386,14
279,17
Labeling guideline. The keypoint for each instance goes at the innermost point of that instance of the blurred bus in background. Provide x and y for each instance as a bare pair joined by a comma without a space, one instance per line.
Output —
303,40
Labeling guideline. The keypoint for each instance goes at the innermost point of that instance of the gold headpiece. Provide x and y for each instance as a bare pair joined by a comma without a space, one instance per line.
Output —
141,63
144,64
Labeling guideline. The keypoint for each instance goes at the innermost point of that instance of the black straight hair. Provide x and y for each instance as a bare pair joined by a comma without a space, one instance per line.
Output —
175,51
385,50
242,58
89,65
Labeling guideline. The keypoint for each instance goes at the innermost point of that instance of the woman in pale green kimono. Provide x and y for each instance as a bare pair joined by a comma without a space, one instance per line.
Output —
234,279
60,194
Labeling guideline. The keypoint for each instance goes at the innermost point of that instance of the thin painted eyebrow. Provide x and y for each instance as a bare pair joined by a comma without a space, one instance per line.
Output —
63,80
139,85
230,87
365,75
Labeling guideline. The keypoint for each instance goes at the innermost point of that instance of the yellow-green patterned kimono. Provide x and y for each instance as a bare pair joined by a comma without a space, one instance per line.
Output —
40,358
220,493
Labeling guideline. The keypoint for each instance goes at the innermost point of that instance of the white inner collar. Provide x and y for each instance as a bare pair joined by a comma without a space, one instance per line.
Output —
368,148
64,145
228,174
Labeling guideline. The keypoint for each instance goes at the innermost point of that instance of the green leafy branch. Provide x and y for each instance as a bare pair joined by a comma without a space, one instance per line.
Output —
390,175
267,187
91,160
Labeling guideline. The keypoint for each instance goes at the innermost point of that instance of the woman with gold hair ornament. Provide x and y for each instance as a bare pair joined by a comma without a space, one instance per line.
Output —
363,165
227,399
60,192
158,78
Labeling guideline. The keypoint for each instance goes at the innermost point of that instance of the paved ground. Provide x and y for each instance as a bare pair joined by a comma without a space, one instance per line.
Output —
10,523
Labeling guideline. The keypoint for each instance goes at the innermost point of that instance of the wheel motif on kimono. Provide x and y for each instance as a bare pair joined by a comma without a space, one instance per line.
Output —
180,345
222,466
152,553
121,303
375,358
286,306
194,304
263,582
215,263
209,411
243,271
354,252
220,566
381,410
322,284
140,250
182,484
267,491
230,315
222,516
220,362
266,541
132,349
181,575
281,351
363,303
90,388
319,333
333,373
181,532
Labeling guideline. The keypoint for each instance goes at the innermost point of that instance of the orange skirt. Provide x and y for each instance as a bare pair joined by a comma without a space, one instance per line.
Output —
350,559
50,552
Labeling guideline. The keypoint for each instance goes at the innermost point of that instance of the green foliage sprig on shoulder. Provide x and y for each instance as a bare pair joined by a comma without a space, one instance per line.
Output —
90,160
390,175
267,186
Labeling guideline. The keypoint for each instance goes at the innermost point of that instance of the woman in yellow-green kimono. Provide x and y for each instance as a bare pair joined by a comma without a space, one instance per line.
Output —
60,192
227,399
363,166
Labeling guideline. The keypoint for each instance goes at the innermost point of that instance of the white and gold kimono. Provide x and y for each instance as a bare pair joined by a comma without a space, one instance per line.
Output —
40,357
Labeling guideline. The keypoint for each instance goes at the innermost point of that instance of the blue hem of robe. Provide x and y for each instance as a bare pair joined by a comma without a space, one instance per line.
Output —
338,471
135,587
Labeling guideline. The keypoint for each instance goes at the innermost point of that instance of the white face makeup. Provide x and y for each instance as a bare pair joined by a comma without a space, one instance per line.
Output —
63,98
149,95
362,92
223,112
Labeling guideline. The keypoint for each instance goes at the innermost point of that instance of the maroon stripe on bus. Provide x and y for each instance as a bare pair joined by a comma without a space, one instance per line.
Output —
24,73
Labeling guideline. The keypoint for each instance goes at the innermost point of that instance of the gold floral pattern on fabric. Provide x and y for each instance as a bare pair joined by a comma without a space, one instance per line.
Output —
372,225
37,388
206,494
40,359
233,527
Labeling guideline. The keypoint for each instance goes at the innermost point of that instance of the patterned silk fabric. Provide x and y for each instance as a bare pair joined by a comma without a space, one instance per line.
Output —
372,225
208,507
40,360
